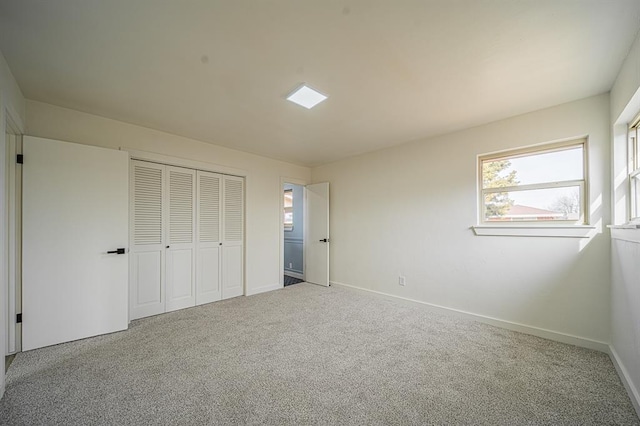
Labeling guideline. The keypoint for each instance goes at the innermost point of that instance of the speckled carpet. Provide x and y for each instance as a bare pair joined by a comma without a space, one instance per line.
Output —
313,355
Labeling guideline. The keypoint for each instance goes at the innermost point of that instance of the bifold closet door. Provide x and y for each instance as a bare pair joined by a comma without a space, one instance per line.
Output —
209,241
180,244
146,280
233,235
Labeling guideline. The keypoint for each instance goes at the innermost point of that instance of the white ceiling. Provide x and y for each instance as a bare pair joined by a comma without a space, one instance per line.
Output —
395,71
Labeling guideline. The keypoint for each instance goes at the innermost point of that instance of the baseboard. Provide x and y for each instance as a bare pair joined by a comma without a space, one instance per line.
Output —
634,395
522,328
264,289
294,274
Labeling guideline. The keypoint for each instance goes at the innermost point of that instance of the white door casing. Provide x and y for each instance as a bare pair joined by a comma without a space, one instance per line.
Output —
209,238
233,236
317,239
147,289
75,209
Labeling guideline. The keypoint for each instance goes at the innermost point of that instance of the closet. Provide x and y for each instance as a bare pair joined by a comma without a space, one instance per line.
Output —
186,238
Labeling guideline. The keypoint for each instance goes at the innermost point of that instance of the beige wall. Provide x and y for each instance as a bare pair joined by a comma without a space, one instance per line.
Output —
263,214
409,210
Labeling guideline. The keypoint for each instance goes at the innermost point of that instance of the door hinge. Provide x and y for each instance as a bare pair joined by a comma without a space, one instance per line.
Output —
18,318
20,159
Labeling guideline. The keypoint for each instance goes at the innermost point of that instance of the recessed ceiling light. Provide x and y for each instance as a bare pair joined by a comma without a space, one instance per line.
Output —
306,96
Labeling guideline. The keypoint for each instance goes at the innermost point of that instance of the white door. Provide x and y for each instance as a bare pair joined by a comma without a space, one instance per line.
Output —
317,239
233,236
75,211
180,254
147,290
208,240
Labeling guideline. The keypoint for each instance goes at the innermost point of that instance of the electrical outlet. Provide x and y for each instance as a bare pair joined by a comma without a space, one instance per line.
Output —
290,265
401,280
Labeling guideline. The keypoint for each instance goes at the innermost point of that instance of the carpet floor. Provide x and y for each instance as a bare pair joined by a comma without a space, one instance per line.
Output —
313,355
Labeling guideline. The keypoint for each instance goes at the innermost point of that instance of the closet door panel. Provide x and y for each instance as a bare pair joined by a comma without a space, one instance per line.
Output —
208,280
180,250
146,288
209,275
233,237
179,268
147,267
232,272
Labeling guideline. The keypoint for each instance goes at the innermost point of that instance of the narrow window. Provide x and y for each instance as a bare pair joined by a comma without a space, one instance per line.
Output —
634,170
288,209
539,184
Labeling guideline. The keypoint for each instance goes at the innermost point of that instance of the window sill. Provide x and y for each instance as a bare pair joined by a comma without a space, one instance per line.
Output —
566,231
629,232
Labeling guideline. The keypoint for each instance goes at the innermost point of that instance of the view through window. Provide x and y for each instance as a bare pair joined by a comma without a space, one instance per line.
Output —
288,209
539,184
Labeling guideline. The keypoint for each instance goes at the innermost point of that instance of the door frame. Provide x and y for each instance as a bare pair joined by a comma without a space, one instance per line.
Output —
167,160
294,181
12,233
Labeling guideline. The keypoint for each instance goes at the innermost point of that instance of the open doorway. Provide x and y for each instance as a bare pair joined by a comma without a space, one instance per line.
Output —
293,234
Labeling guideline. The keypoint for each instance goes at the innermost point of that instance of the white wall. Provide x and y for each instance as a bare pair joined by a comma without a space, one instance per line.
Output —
263,175
409,209
625,262
12,104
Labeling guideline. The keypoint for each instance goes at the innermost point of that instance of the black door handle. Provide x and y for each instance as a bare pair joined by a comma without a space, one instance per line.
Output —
117,251
324,240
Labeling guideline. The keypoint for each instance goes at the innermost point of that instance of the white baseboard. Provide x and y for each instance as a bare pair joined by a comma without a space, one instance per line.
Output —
264,289
522,328
634,395
294,274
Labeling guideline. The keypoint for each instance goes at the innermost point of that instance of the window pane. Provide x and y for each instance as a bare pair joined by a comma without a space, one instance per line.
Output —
534,205
288,198
636,151
635,196
288,217
556,166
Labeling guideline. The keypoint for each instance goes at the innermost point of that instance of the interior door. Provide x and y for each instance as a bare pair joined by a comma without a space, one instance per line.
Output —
75,211
317,239
180,254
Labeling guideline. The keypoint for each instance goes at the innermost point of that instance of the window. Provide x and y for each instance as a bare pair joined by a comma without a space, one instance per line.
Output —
542,184
634,170
288,209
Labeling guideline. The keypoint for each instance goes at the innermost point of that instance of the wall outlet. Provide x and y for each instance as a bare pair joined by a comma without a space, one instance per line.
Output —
290,265
401,280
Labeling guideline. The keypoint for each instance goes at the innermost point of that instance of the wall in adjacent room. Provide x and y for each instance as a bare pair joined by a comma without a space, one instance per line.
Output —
263,175
408,210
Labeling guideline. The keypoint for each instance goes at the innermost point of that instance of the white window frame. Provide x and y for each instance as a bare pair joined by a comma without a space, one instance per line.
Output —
633,168
534,150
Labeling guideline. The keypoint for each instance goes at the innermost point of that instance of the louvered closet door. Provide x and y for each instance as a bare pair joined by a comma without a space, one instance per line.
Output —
146,288
209,239
233,236
181,217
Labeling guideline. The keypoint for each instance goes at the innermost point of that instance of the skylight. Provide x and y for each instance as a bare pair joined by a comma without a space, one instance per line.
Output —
306,96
